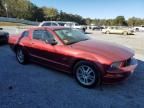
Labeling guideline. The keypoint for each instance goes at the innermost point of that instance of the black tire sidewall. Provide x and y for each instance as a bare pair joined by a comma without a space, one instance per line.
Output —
20,48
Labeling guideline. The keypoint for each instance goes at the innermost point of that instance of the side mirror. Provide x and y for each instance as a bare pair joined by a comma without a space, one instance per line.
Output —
51,41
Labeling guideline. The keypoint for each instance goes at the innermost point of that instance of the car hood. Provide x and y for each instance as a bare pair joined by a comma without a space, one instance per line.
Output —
108,51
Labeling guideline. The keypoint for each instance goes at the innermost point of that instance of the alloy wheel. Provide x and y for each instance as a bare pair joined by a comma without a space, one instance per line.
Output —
20,55
85,75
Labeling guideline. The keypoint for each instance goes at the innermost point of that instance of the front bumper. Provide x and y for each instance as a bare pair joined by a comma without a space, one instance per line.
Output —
120,74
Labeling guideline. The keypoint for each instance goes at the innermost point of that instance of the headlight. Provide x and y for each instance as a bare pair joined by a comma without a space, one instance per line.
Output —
116,65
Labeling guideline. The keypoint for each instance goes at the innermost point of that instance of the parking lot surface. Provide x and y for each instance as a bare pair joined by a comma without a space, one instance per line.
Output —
135,42
34,86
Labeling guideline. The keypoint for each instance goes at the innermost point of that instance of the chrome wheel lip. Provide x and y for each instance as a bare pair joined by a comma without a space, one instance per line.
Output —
20,56
85,75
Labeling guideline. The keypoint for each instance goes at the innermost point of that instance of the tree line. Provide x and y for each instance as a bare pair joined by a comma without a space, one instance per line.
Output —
24,9
118,21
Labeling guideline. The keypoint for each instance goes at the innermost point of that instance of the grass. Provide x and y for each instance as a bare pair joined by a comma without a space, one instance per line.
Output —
11,24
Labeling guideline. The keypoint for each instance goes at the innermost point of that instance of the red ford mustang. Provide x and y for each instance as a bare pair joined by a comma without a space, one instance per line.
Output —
91,61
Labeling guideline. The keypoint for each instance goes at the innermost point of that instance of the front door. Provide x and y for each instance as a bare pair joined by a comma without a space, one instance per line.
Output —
39,48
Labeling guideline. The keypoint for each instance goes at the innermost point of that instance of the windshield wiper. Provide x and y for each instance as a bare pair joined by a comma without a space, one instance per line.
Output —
77,41
85,39
72,42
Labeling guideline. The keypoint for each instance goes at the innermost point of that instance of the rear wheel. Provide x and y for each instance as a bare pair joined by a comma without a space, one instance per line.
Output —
86,74
21,57
137,29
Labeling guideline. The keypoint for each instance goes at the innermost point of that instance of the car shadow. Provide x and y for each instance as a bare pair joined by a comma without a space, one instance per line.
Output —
3,44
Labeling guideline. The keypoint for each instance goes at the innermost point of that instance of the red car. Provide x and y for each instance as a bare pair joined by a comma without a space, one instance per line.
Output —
69,50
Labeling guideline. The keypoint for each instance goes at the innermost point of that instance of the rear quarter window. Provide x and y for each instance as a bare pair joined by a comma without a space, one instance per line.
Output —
46,24
25,34
54,24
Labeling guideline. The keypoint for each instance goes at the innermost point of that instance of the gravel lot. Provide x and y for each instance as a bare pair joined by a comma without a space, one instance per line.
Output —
135,42
34,86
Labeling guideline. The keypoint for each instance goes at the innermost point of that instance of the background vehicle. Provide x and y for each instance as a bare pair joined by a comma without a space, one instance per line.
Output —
75,25
117,30
72,51
3,36
52,23
139,28
97,28
63,23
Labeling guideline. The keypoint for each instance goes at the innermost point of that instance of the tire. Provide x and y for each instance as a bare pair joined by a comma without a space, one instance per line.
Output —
84,30
137,29
86,74
125,33
20,55
107,32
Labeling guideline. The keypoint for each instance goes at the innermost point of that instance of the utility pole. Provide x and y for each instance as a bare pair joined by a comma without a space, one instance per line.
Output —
5,5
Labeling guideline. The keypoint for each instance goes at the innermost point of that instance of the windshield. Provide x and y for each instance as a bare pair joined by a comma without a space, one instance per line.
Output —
70,36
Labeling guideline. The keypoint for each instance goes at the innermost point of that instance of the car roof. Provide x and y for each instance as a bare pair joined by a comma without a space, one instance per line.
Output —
54,22
49,27
58,22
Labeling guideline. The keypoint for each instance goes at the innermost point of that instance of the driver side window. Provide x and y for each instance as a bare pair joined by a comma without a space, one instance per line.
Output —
43,35
47,36
37,34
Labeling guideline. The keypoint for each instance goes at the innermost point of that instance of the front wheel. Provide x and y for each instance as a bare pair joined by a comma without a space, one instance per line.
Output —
20,56
107,32
86,74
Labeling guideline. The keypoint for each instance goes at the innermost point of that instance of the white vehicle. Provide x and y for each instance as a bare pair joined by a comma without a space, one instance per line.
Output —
139,28
62,23
92,26
52,23
75,25
117,30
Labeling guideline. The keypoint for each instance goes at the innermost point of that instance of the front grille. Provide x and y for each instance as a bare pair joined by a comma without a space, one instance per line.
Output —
127,62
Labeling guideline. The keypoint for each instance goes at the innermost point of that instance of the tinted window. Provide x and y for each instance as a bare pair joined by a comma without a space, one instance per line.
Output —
42,35
25,34
54,24
70,36
47,24
37,34
47,35
76,24
61,24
